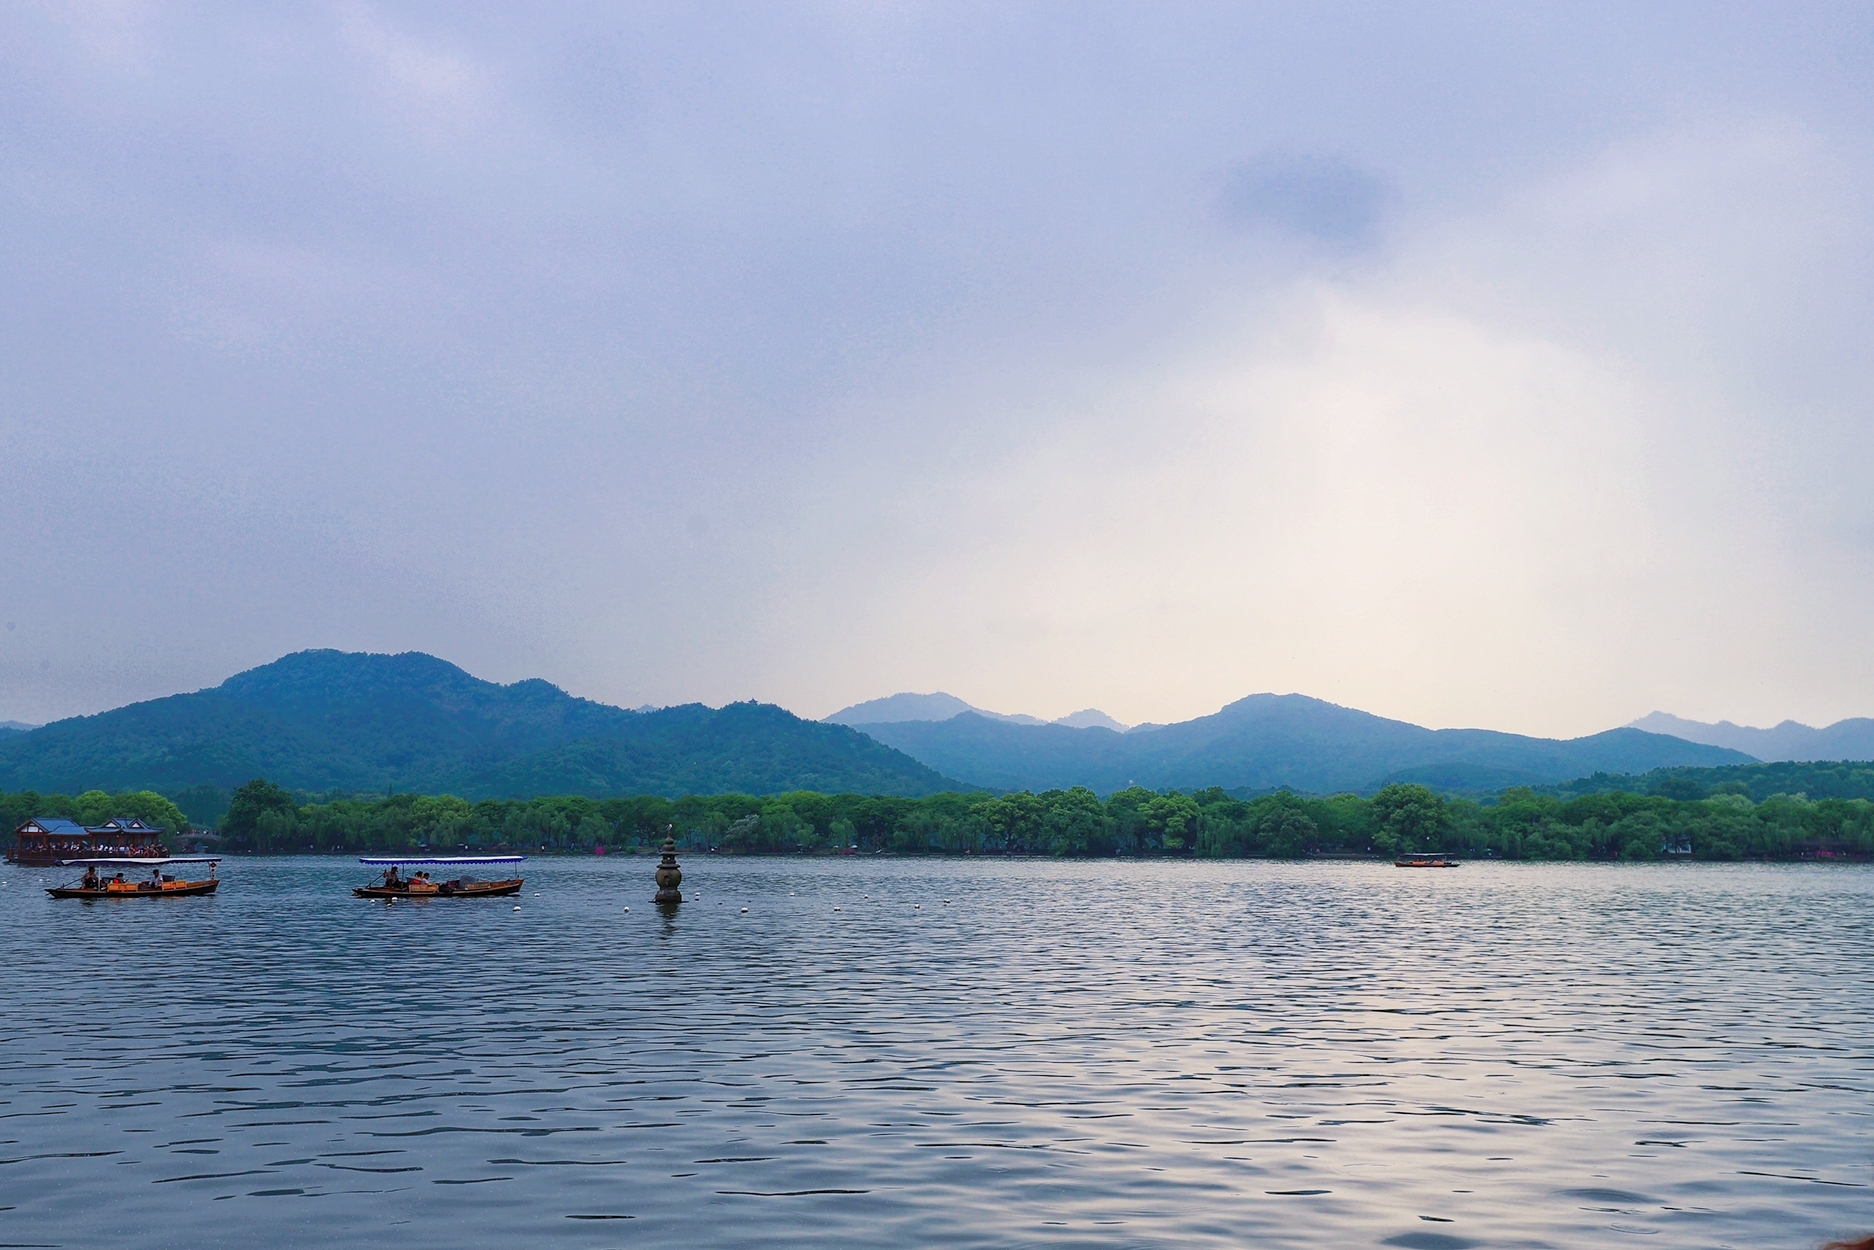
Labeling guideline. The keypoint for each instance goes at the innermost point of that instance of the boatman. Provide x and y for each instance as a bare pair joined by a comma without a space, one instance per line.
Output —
391,880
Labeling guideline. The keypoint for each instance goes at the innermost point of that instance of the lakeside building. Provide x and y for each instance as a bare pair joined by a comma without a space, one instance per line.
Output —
47,840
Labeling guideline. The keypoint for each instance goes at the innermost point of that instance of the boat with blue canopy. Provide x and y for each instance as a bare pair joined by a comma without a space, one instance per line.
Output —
120,884
396,884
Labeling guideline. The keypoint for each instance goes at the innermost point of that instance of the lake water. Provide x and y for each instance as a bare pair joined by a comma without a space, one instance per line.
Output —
946,1053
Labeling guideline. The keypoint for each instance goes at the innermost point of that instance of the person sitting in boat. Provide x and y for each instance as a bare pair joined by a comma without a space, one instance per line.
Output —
391,880
90,879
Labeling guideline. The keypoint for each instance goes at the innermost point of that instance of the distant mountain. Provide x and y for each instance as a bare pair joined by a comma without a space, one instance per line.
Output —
1267,741
903,707
1091,718
329,720
1844,740
899,708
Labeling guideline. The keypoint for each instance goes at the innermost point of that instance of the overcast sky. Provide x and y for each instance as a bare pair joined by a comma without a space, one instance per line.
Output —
1483,364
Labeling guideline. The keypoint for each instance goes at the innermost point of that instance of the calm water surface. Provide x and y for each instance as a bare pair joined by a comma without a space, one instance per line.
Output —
947,1053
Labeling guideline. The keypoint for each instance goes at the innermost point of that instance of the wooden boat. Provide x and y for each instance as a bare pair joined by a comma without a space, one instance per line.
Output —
158,884
1424,859
393,885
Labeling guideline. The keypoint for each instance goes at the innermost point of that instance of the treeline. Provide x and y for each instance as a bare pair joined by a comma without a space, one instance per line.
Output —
1522,824
1818,779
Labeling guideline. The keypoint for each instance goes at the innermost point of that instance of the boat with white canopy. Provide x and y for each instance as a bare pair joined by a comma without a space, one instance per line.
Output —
107,877
422,884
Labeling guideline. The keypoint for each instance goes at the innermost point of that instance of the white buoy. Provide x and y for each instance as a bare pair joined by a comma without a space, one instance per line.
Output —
745,911
836,909
517,907
917,906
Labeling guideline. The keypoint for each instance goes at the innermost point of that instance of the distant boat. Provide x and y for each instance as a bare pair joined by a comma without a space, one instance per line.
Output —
394,885
158,884
1424,859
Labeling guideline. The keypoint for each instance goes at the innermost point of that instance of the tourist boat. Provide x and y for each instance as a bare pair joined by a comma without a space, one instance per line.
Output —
1424,859
48,841
393,885
158,884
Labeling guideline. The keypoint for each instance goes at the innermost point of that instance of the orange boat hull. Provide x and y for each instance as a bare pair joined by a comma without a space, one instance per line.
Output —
136,889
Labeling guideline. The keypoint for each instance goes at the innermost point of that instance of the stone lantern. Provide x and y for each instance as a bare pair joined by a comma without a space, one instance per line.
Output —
669,876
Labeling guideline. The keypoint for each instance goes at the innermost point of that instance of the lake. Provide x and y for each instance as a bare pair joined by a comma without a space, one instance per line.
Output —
891,1052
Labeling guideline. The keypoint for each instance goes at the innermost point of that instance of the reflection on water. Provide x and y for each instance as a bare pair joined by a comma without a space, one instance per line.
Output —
964,1053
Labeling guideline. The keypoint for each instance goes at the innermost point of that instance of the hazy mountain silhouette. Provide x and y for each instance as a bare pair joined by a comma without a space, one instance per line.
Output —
330,720
1267,741
1091,718
940,706
1844,740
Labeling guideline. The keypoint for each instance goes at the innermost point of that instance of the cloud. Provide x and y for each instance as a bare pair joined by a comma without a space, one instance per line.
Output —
1494,366
1522,470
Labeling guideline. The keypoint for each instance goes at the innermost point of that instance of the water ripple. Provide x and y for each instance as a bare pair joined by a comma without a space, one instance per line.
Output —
1071,1054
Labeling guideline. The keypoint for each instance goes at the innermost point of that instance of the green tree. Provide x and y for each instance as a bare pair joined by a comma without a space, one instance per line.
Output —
250,803
1287,832
1408,817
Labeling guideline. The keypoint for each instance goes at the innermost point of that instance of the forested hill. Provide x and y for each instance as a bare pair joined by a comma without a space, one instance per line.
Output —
1268,741
330,720
1842,779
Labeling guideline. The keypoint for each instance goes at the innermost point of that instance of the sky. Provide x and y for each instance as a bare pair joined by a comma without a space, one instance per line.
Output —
1473,364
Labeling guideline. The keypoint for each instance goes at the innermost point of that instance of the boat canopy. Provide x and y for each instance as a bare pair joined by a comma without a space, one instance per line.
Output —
465,860
142,861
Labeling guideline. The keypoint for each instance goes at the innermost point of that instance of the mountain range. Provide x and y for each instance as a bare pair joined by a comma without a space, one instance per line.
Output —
1844,740
321,721
328,720
1267,741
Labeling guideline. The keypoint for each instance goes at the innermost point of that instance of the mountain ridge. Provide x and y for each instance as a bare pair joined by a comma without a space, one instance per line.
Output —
353,721
940,706
1788,741
1267,741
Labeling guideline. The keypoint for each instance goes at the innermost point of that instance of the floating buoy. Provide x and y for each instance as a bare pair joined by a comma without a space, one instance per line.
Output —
627,909
836,909
517,907
745,911
917,906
